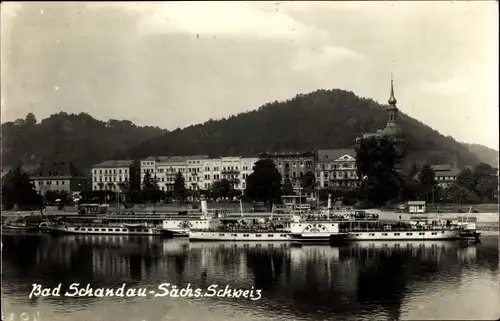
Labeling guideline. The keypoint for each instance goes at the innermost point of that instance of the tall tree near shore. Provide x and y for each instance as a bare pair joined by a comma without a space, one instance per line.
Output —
221,188
428,183
264,184
18,190
180,188
376,160
150,188
308,180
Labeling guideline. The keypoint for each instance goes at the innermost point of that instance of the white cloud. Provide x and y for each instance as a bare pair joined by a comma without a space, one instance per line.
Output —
453,85
323,57
223,18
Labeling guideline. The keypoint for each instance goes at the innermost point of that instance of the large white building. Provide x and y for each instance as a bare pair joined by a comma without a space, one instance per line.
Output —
446,174
199,172
165,169
234,169
336,168
115,175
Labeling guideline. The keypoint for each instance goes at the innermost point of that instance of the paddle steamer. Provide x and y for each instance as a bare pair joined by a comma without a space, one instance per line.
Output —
232,229
104,227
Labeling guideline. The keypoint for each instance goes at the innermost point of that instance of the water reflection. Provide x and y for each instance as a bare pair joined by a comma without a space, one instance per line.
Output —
388,280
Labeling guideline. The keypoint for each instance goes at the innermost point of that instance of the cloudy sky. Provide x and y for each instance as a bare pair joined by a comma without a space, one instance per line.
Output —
177,64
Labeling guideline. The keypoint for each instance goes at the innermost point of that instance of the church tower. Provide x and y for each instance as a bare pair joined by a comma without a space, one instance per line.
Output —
392,128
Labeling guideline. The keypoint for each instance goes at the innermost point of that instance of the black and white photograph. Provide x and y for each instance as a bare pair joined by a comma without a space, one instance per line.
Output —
249,160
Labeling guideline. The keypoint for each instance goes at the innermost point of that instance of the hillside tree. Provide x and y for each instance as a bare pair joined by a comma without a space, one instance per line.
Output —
466,179
485,181
30,119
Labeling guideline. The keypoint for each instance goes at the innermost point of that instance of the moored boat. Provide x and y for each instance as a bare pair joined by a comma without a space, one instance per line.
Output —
232,229
20,228
27,224
370,228
467,226
238,235
96,229
417,228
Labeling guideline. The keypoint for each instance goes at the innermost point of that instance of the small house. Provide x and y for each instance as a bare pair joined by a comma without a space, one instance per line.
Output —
416,207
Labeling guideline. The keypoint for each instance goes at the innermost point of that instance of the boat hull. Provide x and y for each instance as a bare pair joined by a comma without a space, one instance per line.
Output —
204,236
85,230
332,239
470,235
404,235
175,232
167,233
20,229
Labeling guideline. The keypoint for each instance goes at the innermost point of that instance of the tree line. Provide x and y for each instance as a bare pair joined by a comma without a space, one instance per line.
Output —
377,163
327,118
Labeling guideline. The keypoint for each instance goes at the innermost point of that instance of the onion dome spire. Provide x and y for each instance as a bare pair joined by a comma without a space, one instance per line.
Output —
392,99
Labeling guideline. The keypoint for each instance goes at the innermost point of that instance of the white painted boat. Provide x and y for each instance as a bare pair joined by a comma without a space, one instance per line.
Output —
368,229
239,235
235,245
97,229
467,226
404,234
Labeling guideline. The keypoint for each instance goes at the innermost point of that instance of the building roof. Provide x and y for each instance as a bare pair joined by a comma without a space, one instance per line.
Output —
290,153
445,170
28,169
416,202
114,163
393,130
325,155
53,169
442,167
176,158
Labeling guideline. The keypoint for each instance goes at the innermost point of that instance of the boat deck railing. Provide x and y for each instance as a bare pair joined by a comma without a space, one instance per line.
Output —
103,224
337,219
241,230
400,229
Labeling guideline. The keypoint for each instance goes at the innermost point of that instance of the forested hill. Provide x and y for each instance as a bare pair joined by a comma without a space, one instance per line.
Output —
322,119
485,154
68,137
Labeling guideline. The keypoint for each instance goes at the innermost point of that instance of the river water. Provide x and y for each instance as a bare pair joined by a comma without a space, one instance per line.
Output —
362,281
